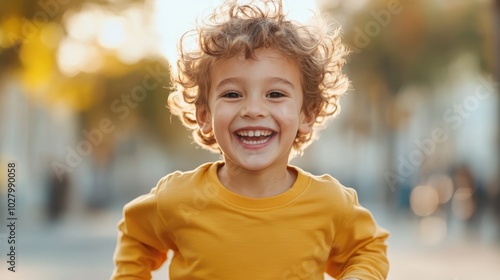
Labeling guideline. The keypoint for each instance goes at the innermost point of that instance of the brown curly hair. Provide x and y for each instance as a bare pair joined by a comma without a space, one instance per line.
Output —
233,29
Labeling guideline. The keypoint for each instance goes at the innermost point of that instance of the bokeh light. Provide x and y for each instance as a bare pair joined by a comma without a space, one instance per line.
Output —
112,32
84,25
463,205
433,230
424,200
443,185
74,55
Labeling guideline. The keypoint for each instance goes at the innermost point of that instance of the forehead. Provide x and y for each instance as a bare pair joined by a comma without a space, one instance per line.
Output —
259,55
268,64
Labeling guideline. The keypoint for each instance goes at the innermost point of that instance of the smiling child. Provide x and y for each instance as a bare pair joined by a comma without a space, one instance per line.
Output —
256,90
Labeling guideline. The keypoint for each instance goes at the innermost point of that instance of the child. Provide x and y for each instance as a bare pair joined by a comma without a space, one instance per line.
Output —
256,90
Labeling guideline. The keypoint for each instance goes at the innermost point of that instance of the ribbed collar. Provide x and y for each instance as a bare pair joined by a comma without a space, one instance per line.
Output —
250,203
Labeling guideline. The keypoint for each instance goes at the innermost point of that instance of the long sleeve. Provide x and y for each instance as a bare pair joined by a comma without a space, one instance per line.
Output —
143,239
359,248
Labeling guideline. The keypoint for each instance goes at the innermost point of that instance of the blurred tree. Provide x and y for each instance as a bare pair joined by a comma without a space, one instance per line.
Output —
33,40
398,44
96,61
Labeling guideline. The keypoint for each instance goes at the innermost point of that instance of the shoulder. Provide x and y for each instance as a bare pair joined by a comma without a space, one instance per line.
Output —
184,187
329,192
175,186
329,186
174,196
180,179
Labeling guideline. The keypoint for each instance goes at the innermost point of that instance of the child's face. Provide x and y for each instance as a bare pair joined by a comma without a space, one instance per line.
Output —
255,109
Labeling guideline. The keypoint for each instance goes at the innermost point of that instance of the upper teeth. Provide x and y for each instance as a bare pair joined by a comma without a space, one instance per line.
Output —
254,133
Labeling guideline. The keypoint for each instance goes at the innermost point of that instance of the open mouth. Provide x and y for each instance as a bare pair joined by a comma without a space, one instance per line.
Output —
255,137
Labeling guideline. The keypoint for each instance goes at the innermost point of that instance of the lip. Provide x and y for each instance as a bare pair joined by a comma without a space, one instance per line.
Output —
254,146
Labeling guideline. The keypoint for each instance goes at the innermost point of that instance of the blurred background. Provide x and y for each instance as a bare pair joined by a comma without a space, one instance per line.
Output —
83,89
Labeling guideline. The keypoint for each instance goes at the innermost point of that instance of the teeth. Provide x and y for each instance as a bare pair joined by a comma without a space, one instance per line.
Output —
258,134
254,133
254,142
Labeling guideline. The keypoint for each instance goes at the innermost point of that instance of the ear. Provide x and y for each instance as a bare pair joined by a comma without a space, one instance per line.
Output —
204,119
306,123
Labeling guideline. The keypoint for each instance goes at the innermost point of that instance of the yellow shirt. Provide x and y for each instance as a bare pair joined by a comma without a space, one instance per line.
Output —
314,227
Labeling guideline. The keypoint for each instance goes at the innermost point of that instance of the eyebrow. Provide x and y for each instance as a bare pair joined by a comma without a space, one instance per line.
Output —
236,80
232,80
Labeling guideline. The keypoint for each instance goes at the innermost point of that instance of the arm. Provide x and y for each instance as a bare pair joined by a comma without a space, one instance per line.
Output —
359,248
142,240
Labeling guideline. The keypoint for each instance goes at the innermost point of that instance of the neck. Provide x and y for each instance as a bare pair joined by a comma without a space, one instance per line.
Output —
256,183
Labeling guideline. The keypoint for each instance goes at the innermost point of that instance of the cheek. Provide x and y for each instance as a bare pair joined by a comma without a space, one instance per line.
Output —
288,113
222,119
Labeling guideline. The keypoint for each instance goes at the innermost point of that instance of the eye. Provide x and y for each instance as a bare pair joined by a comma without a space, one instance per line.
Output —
231,94
275,94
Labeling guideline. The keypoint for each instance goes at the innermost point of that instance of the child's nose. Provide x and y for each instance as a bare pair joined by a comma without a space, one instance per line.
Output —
253,108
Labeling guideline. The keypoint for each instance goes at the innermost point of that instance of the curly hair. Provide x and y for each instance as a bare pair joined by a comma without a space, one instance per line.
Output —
234,29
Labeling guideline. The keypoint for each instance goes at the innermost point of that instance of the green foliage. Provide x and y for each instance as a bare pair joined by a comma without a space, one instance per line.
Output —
417,45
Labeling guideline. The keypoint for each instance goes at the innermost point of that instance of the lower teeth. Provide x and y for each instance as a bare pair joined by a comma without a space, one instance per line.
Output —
254,142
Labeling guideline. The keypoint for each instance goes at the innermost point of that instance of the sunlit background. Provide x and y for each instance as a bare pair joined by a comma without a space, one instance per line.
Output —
83,88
